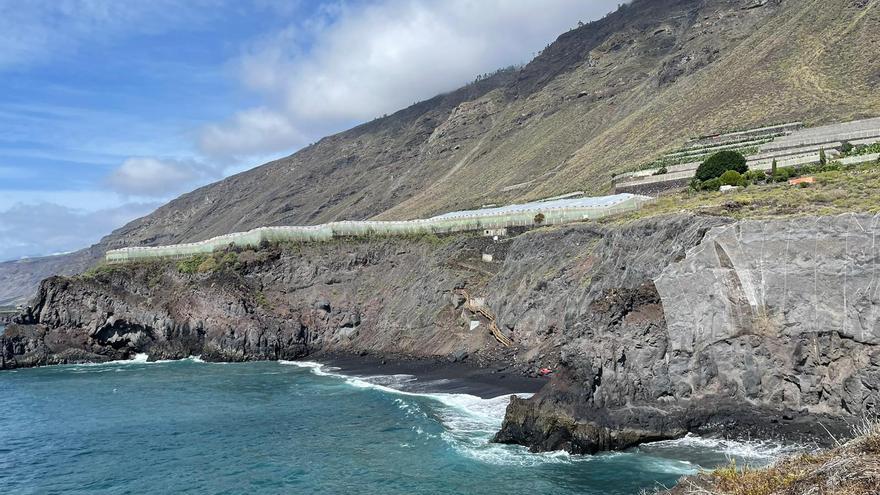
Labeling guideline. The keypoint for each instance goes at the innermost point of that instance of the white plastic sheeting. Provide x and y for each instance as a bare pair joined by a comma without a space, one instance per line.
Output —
519,215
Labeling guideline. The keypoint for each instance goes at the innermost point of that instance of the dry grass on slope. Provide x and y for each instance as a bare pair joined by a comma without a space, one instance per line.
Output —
815,61
851,469
835,192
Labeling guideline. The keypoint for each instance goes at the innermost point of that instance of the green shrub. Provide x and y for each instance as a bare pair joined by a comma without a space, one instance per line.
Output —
660,171
846,147
822,158
721,162
261,300
773,168
711,184
754,176
730,178
866,149
785,173
207,266
191,264
831,167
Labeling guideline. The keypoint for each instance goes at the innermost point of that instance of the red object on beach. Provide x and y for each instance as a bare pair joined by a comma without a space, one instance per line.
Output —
545,371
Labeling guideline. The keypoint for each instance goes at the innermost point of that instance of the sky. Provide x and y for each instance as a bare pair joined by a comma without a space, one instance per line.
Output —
110,108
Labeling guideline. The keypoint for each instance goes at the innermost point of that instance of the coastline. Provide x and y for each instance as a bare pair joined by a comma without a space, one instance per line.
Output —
434,375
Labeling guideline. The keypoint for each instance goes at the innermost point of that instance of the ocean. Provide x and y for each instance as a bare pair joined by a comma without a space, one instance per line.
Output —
293,427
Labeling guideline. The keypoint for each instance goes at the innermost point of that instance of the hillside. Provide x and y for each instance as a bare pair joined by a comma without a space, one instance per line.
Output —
601,99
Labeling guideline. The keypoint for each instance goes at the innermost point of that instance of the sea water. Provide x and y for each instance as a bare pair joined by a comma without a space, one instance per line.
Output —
291,427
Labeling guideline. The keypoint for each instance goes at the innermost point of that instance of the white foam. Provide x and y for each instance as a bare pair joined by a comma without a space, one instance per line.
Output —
470,422
139,358
759,451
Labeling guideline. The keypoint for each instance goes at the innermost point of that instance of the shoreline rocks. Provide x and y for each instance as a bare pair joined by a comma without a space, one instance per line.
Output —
649,327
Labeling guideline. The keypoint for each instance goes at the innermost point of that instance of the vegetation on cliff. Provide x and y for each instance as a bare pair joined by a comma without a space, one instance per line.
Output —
837,190
850,469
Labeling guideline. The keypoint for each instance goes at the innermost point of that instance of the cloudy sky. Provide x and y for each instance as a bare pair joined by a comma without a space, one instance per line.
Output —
108,108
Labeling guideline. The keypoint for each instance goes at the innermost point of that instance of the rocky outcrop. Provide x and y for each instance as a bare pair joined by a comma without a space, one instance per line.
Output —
764,327
653,328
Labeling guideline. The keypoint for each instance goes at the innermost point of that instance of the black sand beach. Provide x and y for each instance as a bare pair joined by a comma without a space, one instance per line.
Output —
433,376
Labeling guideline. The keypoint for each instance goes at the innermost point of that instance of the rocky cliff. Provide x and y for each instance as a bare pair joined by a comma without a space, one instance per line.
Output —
654,328
602,98
762,324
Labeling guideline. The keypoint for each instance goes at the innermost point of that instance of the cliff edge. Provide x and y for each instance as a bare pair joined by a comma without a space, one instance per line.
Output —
653,328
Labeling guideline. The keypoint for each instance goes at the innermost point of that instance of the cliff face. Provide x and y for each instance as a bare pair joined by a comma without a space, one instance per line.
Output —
655,328
601,98
762,324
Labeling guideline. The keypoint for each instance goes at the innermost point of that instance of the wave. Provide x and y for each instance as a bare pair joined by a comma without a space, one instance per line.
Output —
469,423
139,359
750,451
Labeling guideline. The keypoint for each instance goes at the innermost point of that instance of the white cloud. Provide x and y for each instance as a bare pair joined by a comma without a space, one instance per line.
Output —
160,178
47,228
354,63
251,132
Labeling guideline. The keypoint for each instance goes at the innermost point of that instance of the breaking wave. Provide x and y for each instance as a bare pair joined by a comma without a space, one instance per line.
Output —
752,452
469,422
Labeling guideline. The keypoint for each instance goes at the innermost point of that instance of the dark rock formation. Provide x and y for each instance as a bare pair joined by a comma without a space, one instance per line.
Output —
593,302
765,328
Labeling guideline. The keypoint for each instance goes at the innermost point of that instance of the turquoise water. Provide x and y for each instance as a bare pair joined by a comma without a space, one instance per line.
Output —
193,427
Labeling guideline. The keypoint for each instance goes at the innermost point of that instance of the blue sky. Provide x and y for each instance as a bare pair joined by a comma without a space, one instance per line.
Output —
109,108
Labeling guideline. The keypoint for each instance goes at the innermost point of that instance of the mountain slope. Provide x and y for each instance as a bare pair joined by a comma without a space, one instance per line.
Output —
601,99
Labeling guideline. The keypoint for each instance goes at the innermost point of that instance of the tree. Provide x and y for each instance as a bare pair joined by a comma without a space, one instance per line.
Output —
823,160
773,168
539,218
846,147
721,162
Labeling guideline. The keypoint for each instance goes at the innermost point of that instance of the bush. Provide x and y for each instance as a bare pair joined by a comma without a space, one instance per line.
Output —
785,173
730,178
721,162
831,167
229,259
754,176
711,184
191,264
660,171
539,218
209,265
846,147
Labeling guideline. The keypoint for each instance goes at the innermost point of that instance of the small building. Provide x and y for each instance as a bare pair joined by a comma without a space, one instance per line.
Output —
495,232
